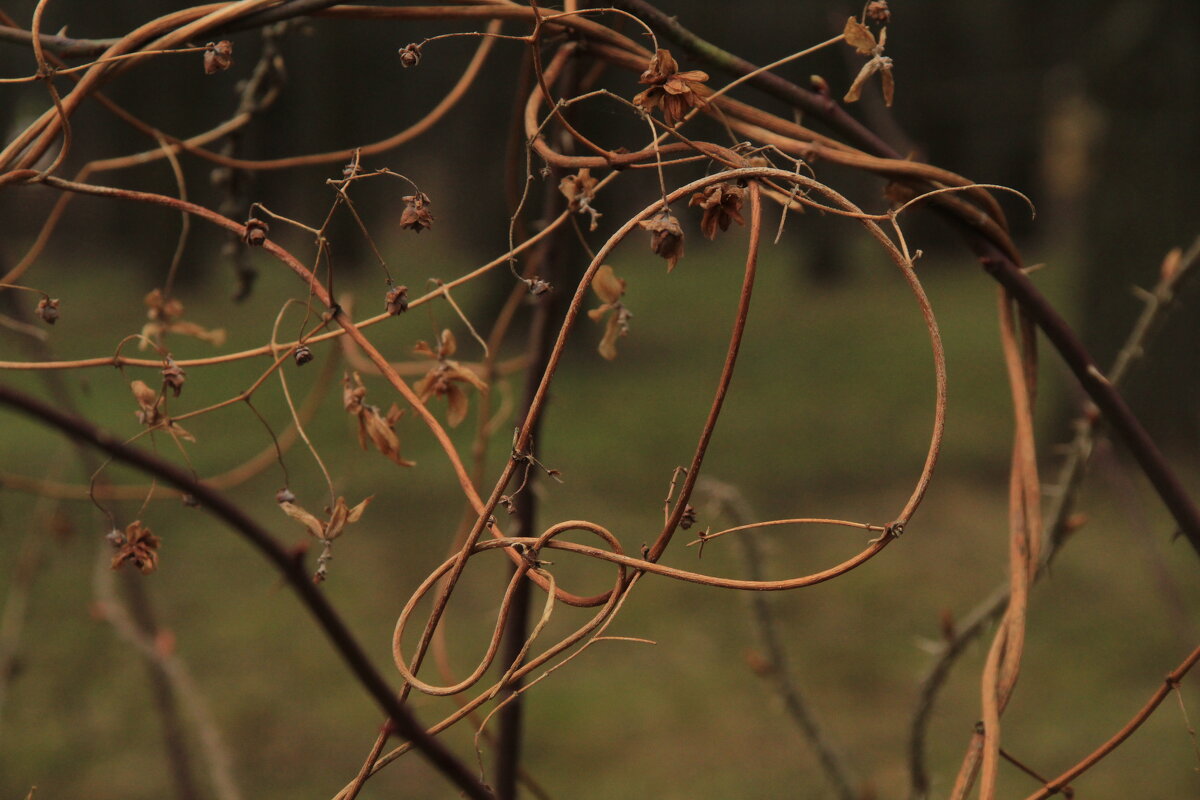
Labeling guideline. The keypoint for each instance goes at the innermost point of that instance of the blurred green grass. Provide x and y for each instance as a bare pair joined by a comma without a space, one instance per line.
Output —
829,415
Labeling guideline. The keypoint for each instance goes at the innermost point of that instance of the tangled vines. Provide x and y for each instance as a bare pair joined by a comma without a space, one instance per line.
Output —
767,162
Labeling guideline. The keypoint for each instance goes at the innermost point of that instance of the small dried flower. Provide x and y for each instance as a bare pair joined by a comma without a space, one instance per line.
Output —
416,216
609,288
861,39
137,546
538,287
173,376
396,300
218,57
47,309
689,517
410,55
878,11
674,91
256,232
302,355
579,189
666,237
285,495
445,377
722,204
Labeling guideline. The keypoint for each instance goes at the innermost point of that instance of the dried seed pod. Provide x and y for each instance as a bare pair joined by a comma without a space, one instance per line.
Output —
302,355
256,232
218,56
689,517
416,216
878,11
174,376
138,546
722,204
47,309
666,237
396,300
538,287
410,55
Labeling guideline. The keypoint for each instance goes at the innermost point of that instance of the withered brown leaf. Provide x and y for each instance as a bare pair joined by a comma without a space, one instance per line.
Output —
609,288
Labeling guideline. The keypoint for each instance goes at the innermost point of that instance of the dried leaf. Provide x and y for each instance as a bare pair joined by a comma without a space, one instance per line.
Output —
612,332
298,513
859,37
456,399
607,286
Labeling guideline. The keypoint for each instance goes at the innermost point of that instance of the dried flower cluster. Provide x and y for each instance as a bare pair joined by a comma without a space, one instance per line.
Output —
580,189
666,236
136,546
445,377
673,91
218,56
416,216
256,232
373,425
859,37
326,530
173,376
722,204
396,300
410,55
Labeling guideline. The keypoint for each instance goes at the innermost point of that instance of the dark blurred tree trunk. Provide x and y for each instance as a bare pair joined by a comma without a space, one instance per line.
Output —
1145,75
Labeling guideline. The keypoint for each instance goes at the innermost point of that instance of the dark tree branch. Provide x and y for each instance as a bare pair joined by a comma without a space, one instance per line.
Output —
289,566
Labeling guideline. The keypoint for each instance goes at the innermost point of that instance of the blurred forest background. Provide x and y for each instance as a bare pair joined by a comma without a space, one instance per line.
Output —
1090,109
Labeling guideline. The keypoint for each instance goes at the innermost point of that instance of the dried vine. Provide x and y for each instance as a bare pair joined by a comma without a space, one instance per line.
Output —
569,51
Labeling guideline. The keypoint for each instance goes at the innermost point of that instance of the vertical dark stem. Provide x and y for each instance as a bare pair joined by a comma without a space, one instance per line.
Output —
546,263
